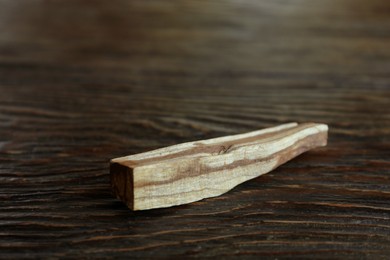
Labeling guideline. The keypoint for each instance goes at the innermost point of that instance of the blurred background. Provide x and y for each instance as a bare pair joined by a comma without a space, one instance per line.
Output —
82,82
208,63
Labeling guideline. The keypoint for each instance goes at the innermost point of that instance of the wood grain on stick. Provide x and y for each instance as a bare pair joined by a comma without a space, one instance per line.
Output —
193,171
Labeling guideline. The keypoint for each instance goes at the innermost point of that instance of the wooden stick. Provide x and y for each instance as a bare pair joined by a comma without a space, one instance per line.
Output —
193,171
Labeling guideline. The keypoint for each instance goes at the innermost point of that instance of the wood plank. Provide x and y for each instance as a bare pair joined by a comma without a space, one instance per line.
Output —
83,81
193,171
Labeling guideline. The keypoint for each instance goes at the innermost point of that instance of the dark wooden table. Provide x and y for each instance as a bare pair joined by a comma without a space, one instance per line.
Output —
82,82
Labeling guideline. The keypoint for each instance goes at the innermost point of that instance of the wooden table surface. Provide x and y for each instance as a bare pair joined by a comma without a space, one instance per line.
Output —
82,82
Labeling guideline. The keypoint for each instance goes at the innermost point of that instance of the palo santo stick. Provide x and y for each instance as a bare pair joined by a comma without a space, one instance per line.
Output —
193,171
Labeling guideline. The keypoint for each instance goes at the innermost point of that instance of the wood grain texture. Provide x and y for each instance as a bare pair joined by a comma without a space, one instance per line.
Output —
82,82
192,171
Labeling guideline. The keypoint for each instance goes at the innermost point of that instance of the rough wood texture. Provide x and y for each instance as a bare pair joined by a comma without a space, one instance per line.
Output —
192,171
82,82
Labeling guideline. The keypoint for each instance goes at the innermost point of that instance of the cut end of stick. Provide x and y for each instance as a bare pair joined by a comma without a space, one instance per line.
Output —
193,171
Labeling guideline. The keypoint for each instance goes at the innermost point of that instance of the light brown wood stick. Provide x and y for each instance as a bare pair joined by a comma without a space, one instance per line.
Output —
193,171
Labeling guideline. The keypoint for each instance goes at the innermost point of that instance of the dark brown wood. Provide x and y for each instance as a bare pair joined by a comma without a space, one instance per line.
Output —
82,82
